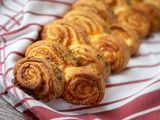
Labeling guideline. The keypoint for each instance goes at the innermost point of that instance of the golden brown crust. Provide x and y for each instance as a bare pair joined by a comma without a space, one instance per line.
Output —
118,5
91,23
39,78
64,32
135,20
135,2
153,14
89,56
84,86
117,2
114,49
127,35
53,51
98,7
153,2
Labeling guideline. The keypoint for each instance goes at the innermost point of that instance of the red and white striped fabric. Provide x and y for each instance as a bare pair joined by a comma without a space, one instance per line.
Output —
132,94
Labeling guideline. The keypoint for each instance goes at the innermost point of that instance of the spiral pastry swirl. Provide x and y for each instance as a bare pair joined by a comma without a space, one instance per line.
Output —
91,23
127,35
153,14
96,6
89,56
64,32
135,20
114,49
53,51
84,86
39,78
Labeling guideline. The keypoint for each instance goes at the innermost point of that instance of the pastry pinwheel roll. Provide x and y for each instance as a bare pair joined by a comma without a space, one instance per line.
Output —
114,49
128,35
98,7
135,20
64,32
153,14
91,23
53,51
39,78
87,55
84,86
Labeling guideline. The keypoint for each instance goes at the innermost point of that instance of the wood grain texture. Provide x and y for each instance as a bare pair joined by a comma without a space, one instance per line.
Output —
7,112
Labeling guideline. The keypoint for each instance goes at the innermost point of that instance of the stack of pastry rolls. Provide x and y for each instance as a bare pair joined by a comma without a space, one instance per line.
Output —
76,54
82,70
40,72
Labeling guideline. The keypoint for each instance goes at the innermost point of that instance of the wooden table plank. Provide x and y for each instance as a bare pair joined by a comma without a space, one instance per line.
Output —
7,112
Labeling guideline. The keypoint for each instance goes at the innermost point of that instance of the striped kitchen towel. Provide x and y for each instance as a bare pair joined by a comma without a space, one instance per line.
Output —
133,93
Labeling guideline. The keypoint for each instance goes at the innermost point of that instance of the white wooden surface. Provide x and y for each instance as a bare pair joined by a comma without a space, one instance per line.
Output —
7,112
